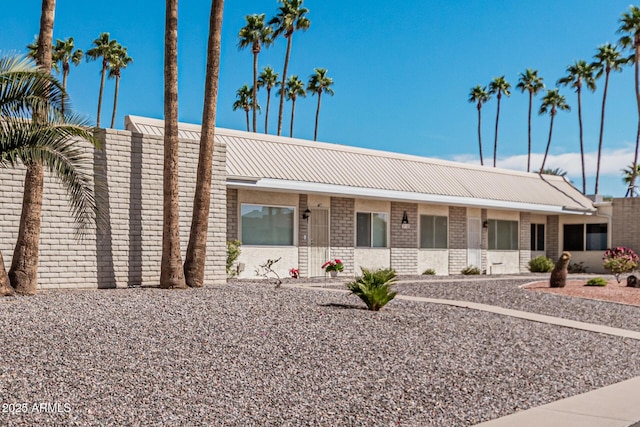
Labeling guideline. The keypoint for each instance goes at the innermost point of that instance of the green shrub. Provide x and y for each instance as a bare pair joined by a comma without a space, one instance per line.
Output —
597,281
620,260
429,272
233,252
541,264
374,287
470,270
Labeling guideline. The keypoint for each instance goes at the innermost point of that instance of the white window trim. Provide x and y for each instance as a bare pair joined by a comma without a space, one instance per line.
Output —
517,242
295,224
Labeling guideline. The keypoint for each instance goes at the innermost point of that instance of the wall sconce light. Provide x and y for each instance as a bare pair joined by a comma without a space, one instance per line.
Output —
405,218
306,214
485,224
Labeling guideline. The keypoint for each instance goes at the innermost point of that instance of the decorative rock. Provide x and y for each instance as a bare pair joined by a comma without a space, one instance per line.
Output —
559,273
632,282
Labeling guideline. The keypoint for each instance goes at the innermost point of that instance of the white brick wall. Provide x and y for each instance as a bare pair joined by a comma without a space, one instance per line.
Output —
128,252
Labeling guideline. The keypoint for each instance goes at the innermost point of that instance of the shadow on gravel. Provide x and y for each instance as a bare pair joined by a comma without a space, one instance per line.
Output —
346,306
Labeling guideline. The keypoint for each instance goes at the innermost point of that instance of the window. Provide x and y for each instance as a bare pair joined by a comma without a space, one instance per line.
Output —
503,235
596,237
433,232
371,230
267,225
537,237
575,236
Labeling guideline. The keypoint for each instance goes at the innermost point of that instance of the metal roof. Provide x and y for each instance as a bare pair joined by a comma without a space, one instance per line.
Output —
280,163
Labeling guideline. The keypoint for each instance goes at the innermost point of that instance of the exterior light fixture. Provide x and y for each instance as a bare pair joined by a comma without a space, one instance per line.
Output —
485,224
405,218
306,214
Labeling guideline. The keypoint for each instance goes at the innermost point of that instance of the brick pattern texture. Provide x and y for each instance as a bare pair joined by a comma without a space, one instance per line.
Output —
232,214
127,251
626,223
552,243
303,231
404,241
457,239
525,241
343,232
484,239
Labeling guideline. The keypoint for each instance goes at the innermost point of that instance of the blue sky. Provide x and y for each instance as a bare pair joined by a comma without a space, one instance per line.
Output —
402,72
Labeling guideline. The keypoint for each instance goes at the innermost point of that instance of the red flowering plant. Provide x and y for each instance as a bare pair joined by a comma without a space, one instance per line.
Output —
620,260
294,273
333,265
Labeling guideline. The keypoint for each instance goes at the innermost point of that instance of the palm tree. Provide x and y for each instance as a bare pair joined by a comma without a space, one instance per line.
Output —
578,74
607,59
532,83
118,61
24,263
479,95
290,17
630,28
551,103
628,175
255,34
243,102
195,261
295,88
103,49
555,171
498,86
53,143
64,54
319,83
268,79
171,270
32,52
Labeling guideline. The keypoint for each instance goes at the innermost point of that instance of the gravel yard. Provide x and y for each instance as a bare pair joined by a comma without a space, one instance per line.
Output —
247,354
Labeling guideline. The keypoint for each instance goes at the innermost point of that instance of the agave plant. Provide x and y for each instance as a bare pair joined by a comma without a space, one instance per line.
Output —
374,287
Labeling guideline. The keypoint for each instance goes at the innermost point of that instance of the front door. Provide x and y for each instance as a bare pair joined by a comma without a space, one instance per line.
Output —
474,242
319,241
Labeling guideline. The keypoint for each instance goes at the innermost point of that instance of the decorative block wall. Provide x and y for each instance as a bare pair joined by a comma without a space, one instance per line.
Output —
626,223
553,237
457,239
404,241
343,232
525,241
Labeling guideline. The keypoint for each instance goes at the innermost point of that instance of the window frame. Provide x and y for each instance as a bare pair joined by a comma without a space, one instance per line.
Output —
535,237
446,229
294,224
371,237
586,244
494,223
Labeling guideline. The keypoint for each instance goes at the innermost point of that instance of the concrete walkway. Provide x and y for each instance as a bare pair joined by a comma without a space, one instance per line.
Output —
617,405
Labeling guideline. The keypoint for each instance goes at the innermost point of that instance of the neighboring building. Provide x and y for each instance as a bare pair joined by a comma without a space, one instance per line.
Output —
307,202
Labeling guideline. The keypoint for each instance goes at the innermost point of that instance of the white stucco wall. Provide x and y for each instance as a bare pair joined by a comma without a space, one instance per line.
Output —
254,256
436,259
503,262
591,259
371,258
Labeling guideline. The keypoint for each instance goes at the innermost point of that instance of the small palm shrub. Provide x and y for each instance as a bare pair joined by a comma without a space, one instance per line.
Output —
470,270
597,281
429,272
374,287
233,252
541,264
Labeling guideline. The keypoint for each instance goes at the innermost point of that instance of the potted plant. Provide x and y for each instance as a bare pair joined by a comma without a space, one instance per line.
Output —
333,267
294,273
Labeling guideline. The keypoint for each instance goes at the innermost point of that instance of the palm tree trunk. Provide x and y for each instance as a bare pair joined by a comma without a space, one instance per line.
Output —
23,274
529,132
315,132
604,102
247,114
293,110
65,74
115,101
5,285
584,177
480,133
283,85
266,117
254,102
495,142
546,152
104,71
196,259
635,156
171,270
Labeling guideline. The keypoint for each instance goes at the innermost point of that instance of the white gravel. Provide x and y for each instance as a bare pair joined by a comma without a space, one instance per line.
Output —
247,354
